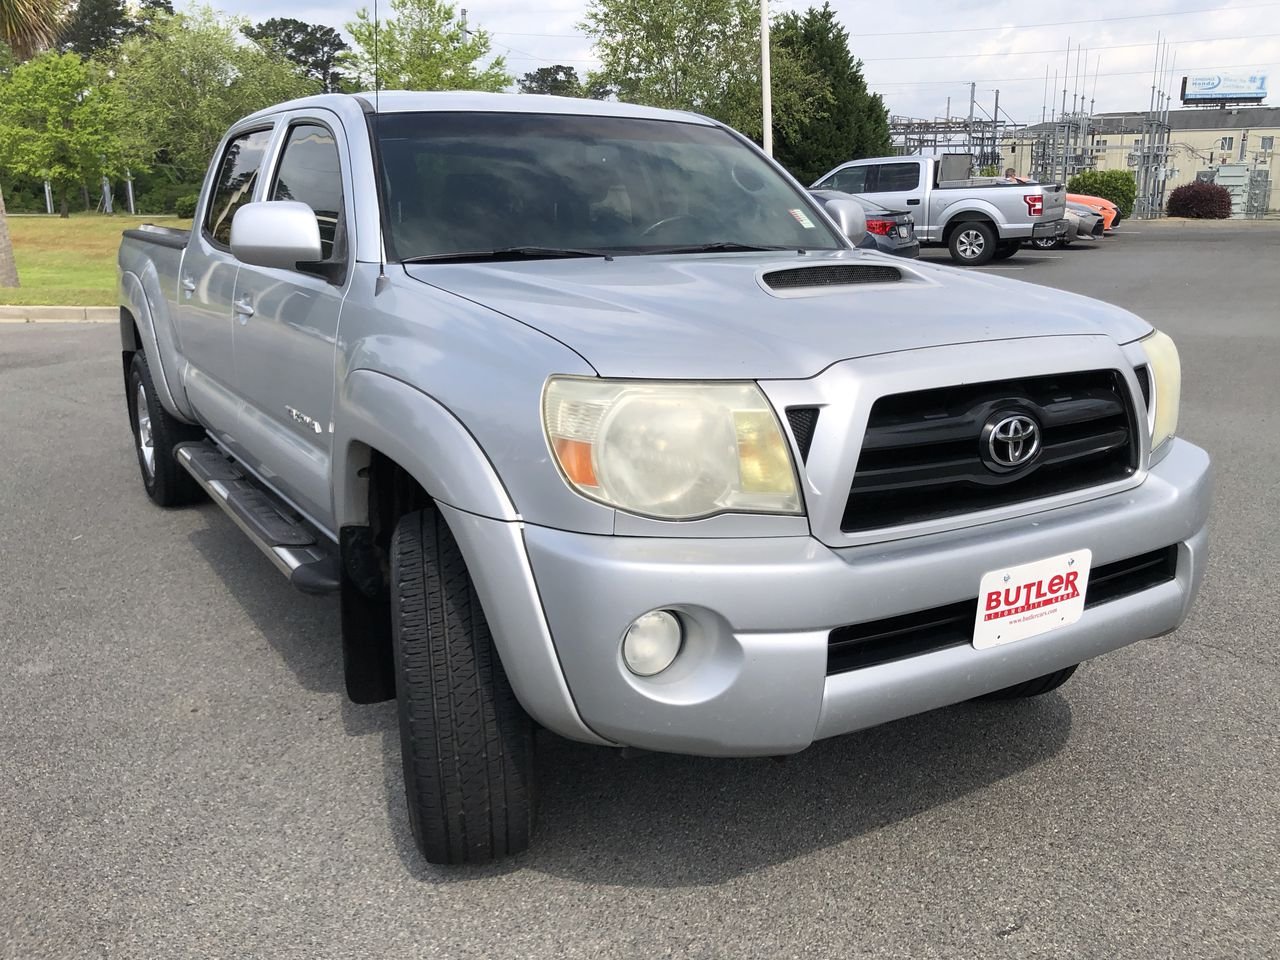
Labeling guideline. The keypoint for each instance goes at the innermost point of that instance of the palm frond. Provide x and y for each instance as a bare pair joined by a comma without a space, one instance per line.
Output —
29,26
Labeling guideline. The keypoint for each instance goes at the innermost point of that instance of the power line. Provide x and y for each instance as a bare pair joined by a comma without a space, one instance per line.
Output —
1058,50
1003,26
1067,23
968,80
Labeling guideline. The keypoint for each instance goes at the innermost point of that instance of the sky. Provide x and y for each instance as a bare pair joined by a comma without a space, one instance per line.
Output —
919,53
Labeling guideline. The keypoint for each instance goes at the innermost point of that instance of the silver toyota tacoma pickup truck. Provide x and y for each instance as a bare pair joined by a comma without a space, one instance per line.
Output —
977,220
595,421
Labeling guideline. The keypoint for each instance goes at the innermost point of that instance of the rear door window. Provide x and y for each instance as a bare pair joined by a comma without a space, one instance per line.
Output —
895,177
237,176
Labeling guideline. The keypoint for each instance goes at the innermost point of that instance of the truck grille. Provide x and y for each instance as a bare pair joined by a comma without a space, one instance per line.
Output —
881,641
930,454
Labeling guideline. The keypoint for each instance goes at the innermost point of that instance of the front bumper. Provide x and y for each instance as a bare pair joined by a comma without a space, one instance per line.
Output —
752,676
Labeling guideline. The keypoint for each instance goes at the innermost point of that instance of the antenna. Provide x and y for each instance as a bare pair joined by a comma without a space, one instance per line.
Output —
381,283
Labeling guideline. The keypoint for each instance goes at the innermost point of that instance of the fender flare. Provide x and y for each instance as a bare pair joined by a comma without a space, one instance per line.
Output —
136,312
379,412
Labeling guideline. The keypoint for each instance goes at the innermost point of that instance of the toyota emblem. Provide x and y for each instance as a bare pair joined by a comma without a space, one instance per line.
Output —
1013,441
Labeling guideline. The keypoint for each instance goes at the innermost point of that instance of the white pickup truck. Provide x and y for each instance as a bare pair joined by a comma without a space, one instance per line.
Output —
979,220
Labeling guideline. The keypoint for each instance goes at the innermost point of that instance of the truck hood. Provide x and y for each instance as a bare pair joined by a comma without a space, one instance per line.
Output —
712,316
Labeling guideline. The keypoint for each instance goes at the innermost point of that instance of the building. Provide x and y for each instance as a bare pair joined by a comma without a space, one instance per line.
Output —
1194,143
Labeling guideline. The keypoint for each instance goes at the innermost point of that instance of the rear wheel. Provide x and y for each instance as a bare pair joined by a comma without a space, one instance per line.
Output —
155,434
972,243
466,744
1032,688
1048,243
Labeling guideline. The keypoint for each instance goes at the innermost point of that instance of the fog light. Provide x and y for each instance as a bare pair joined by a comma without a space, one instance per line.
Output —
652,642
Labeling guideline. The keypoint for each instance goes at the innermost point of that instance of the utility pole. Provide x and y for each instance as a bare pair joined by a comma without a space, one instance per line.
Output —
466,37
766,79
995,130
968,129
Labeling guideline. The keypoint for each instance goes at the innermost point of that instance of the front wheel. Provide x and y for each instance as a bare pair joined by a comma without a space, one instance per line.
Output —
972,244
466,744
1032,688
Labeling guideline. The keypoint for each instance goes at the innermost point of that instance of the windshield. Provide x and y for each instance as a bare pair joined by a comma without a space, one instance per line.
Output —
456,183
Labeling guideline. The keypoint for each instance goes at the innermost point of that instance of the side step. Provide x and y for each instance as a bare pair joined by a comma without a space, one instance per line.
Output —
310,562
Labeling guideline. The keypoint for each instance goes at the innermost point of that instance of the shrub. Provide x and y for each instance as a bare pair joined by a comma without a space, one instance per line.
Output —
186,206
1118,186
162,196
1201,200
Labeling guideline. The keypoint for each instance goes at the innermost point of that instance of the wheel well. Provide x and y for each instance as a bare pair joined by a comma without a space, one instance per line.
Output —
130,340
961,219
384,491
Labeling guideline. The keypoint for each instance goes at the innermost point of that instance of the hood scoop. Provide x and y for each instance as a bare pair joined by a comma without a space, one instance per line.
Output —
823,277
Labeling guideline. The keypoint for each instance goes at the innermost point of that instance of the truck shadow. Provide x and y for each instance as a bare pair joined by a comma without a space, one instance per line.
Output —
669,821
660,820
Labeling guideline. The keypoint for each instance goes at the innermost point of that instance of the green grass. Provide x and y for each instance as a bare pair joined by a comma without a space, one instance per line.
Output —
69,262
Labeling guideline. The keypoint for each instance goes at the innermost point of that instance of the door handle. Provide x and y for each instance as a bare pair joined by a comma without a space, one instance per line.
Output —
913,203
243,308
188,284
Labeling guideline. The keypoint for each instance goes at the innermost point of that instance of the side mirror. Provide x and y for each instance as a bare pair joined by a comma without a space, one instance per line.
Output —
277,233
848,214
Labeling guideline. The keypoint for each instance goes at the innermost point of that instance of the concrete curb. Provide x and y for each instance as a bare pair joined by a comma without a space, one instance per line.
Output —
59,314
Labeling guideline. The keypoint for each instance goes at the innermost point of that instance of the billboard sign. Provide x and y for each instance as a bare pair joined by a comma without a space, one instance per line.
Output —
1225,88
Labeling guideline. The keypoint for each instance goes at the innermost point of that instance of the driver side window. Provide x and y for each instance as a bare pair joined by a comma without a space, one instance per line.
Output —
849,180
309,172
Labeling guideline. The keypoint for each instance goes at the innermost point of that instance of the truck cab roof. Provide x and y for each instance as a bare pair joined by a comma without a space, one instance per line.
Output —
459,101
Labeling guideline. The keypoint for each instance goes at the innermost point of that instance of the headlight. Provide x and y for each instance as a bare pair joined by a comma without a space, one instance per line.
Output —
672,450
1166,386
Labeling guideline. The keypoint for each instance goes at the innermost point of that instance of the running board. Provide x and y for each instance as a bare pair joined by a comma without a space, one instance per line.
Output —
310,564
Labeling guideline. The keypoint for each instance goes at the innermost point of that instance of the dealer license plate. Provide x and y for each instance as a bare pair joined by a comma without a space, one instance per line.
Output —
1025,601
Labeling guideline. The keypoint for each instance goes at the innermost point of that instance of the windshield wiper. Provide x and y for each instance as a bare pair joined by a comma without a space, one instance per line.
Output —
719,246
509,253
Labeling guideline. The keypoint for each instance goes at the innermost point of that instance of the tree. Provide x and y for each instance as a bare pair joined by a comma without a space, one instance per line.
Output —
145,13
854,124
57,123
25,27
313,48
94,26
700,55
187,79
558,81
423,46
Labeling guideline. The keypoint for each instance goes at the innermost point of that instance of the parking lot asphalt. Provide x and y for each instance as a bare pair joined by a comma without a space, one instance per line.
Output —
182,776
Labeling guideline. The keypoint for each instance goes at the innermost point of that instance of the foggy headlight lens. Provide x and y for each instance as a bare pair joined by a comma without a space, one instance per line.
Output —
1166,386
671,450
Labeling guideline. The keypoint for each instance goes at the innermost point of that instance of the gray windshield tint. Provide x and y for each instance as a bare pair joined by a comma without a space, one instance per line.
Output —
460,182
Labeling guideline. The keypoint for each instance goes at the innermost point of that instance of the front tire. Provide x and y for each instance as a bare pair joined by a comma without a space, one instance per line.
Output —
156,432
972,243
1032,688
466,744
